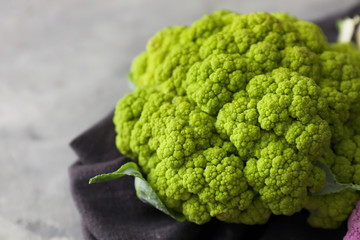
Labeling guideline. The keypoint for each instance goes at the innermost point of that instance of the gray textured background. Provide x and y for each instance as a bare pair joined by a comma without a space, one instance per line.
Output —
63,66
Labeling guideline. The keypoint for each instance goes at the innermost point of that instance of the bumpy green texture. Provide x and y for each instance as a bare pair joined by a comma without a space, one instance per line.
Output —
231,114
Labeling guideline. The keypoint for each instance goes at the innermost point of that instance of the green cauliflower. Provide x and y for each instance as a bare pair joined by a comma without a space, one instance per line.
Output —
231,115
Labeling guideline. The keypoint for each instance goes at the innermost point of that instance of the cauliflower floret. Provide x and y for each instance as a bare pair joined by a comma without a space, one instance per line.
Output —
231,114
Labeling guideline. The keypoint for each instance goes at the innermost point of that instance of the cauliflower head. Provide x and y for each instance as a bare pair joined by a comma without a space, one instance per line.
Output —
231,114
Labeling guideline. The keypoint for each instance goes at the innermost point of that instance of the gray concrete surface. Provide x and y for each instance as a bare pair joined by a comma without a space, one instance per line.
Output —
63,66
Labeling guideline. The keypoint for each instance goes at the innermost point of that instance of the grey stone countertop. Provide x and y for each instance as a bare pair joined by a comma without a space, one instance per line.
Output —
63,66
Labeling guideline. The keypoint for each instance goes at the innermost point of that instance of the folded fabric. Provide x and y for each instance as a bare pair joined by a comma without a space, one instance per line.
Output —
112,211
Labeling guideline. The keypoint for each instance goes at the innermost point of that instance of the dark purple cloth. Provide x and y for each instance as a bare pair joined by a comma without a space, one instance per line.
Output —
112,211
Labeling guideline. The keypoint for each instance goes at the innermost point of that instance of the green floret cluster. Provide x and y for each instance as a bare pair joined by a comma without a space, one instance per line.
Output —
231,115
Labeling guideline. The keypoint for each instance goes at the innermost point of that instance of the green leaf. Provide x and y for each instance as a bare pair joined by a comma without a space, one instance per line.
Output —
143,189
357,37
347,28
131,83
331,184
